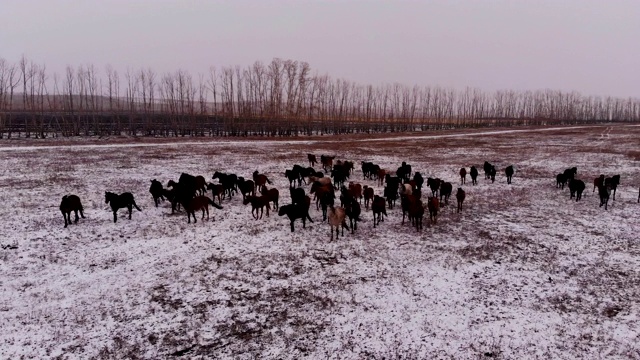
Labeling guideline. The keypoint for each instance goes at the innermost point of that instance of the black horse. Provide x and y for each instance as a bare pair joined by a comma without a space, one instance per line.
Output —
120,201
613,183
487,169
604,192
70,203
157,191
570,173
561,180
509,173
474,175
353,211
576,187
297,211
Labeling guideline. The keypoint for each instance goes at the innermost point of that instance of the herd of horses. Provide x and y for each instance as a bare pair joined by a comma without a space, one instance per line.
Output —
189,193
605,186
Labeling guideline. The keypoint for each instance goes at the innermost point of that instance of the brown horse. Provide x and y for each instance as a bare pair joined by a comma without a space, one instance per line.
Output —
597,182
327,162
379,208
257,204
382,174
260,180
463,176
460,195
217,191
356,191
368,196
416,213
272,194
70,203
319,190
198,203
434,205
312,159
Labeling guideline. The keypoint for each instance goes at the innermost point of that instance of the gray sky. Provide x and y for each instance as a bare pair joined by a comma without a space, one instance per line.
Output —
585,45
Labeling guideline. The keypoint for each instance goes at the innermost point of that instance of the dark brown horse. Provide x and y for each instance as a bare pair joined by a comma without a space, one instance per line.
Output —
327,162
434,205
247,187
597,182
416,213
68,204
200,202
460,195
379,208
272,194
312,159
257,204
368,196
217,191
463,176
120,201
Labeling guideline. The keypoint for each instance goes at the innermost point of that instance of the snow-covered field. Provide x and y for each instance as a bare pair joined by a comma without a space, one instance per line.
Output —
523,272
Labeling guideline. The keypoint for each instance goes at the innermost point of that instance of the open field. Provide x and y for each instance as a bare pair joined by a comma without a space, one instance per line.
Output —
523,272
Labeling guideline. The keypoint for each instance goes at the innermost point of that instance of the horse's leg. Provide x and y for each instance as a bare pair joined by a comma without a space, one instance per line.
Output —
115,215
130,207
77,218
65,219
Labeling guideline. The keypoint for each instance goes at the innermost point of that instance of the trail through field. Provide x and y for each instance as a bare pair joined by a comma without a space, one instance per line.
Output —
283,142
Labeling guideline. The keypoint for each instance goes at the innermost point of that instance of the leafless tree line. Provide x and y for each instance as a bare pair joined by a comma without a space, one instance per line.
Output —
283,97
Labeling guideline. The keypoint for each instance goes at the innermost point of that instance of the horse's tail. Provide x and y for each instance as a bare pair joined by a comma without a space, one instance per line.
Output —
212,203
268,181
135,205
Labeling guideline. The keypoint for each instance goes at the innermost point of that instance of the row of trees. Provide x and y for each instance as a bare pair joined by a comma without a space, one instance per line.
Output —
283,97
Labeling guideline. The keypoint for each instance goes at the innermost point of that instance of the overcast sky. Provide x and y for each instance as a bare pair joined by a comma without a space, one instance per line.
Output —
592,46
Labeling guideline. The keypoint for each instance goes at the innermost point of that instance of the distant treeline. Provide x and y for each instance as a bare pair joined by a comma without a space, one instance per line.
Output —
282,98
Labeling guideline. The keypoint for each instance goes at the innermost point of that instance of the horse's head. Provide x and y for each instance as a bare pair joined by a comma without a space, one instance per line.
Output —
107,197
283,210
247,200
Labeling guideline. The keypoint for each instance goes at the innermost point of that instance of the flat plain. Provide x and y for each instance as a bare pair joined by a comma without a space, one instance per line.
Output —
522,272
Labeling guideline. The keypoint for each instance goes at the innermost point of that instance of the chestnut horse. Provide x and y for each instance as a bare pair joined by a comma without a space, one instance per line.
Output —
260,180
70,203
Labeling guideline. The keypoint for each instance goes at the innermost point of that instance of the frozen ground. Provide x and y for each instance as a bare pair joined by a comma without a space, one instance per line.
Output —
522,273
